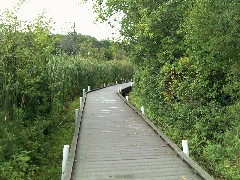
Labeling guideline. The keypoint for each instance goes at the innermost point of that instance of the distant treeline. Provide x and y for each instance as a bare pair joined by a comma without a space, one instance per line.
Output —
86,46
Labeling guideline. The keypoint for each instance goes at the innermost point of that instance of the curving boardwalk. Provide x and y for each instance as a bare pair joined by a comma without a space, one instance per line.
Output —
115,142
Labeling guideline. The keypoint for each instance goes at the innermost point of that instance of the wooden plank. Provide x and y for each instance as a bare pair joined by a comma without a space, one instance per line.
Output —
115,142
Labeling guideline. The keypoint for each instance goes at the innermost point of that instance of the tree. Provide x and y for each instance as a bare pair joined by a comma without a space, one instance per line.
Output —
186,56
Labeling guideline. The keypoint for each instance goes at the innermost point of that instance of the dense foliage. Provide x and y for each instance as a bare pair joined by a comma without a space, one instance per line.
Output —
187,55
36,83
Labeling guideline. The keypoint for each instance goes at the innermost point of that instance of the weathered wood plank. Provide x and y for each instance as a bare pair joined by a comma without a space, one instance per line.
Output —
116,143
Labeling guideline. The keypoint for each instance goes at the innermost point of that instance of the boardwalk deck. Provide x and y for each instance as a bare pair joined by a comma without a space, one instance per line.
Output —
116,143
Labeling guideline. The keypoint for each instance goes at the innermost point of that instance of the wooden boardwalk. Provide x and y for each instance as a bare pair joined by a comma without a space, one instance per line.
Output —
115,142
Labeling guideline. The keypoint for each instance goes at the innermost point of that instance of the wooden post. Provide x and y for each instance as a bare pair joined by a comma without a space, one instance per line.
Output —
65,158
80,104
185,147
142,109
127,98
84,95
76,116
88,88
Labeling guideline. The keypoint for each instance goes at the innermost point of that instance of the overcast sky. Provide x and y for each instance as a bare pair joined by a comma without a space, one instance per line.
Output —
64,13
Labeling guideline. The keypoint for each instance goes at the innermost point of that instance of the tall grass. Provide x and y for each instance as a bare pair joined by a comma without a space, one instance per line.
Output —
69,75
35,89
34,113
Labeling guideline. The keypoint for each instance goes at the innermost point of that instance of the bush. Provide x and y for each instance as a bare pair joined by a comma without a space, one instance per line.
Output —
35,88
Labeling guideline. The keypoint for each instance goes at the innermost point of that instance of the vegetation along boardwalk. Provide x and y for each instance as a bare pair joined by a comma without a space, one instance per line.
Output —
116,142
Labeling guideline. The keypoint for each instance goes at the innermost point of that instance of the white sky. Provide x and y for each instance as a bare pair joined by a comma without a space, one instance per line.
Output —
64,13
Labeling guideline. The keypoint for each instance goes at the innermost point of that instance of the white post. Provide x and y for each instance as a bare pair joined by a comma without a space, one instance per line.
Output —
116,82
131,83
120,90
84,95
65,157
142,109
127,98
76,116
104,85
88,88
185,147
80,104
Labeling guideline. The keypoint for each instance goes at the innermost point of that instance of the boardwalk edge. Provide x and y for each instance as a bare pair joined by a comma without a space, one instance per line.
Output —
196,168
71,158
